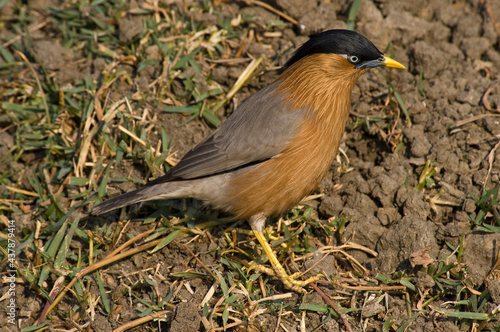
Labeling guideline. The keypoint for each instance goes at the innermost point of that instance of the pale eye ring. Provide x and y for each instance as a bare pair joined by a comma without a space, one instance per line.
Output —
353,58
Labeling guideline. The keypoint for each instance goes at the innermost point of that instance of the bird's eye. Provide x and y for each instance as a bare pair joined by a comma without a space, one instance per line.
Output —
353,59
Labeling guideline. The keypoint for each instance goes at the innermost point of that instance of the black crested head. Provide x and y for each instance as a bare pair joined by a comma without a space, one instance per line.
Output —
343,42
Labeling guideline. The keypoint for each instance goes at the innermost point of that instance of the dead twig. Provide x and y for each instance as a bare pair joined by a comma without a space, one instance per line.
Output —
374,288
142,320
485,100
111,258
333,305
271,9
200,262
469,120
491,158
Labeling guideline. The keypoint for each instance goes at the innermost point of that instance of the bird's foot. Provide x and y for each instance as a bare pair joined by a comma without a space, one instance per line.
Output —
289,281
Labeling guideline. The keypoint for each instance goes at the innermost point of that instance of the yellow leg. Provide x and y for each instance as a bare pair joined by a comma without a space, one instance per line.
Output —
288,280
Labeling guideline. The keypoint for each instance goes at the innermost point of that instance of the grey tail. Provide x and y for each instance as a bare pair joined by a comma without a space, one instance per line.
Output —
135,196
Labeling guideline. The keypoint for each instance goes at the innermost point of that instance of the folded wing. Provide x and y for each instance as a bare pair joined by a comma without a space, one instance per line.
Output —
257,130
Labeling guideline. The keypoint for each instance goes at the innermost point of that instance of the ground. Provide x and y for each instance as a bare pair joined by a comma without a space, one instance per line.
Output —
97,97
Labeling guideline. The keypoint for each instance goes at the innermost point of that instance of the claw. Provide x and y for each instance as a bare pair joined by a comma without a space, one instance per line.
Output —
289,281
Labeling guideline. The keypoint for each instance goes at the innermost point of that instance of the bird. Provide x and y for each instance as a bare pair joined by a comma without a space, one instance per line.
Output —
277,146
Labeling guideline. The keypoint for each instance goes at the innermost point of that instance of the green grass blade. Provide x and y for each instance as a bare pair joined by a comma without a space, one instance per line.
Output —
169,238
104,295
403,106
353,12
462,314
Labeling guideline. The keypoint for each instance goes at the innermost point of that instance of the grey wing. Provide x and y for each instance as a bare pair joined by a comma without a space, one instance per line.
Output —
258,130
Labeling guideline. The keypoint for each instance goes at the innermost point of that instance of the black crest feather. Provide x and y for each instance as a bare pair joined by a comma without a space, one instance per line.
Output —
339,42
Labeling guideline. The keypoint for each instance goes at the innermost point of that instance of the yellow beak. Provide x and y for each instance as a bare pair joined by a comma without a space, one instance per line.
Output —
388,62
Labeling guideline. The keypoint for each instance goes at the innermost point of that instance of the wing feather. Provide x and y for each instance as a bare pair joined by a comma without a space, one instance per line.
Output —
257,130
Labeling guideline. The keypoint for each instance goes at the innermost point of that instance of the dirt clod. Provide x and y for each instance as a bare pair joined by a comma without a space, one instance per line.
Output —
186,318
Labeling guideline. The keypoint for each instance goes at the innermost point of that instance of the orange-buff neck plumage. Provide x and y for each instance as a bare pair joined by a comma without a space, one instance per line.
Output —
321,84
